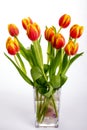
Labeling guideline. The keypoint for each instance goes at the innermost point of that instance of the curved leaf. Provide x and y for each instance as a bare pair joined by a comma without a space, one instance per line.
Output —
49,92
63,79
75,57
26,53
24,76
20,63
36,73
65,61
55,81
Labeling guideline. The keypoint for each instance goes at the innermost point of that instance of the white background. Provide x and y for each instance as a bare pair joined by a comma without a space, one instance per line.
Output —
16,96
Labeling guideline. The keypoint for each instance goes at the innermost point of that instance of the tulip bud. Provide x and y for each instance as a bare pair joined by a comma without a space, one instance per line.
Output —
64,21
26,21
49,32
12,46
76,31
58,41
71,48
13,30
33,31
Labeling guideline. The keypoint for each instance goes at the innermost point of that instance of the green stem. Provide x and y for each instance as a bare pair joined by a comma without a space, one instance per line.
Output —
50,53
67,66
59,29
41,114
19,62
15,58
41,101
37,105
54,104
42,107
60,66
75,40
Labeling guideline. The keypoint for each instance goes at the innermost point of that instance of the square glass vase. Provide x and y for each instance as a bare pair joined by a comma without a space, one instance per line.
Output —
47,109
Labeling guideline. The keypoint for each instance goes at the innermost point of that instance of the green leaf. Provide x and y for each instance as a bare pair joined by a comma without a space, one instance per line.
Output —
49,91
42,81
70,61
55,81
55,63
36,73
63,79
46,68
43,89
58,81
75,57
26,53
38,54
24,76
19,62
65,61
34,56
55,29
50,53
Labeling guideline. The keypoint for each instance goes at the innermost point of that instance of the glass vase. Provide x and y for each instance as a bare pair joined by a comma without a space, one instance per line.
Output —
47,109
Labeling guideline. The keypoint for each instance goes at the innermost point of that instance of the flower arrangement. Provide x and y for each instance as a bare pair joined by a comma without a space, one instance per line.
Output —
48,77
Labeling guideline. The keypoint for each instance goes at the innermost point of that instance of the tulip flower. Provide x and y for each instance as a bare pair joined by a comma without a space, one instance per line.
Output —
26,21
64,21
76,31
49,32
12,46
13,30
33,31
71,48
58,41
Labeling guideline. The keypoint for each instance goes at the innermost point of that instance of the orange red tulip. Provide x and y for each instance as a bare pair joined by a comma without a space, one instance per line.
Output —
33,31
76,31
26,21
58,41
64,20
13,29
12,46
49,32
71,48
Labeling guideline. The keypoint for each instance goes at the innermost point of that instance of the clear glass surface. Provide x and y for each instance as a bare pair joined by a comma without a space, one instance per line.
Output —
47,109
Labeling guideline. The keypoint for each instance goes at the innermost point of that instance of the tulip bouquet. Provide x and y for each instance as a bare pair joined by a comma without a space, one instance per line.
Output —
46,78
